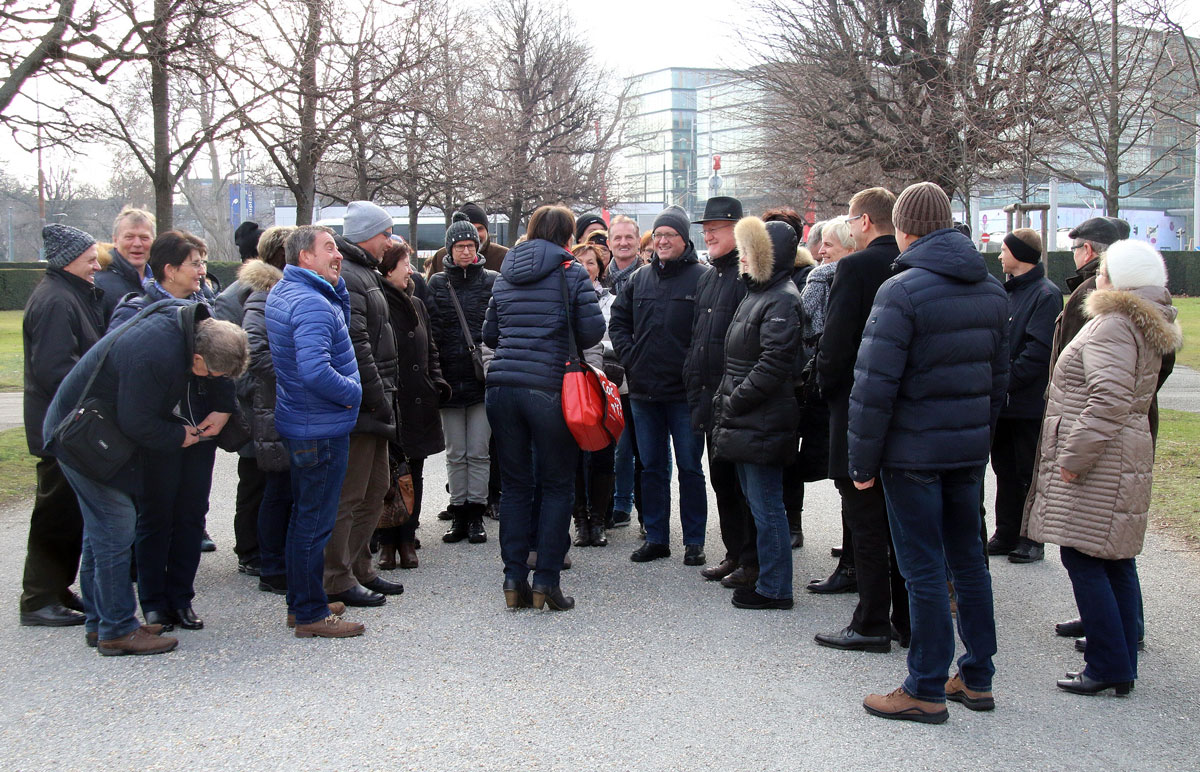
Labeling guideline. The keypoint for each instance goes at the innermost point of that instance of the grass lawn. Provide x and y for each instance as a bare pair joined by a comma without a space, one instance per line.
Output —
1176,491
18,481
1189,320
12,352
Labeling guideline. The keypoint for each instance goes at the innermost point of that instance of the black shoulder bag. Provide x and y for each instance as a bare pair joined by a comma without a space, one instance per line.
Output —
475,351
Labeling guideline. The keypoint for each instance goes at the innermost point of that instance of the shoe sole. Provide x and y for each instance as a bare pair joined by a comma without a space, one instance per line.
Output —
122,652
305,634
648,559
765,606
913,714
873,648
972,703
845,591
55,623
1012,559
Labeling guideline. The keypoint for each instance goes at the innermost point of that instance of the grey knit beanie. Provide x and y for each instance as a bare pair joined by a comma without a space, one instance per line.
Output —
64,244
364,220
677,220
922,208
461,229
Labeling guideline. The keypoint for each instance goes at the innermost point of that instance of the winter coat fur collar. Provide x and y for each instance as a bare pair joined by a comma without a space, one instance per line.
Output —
259,276
1148,308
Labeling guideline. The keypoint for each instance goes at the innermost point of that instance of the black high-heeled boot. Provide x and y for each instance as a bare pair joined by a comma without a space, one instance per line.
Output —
517,594
552,597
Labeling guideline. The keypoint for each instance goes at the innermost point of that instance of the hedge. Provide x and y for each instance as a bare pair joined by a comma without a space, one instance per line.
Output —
17,280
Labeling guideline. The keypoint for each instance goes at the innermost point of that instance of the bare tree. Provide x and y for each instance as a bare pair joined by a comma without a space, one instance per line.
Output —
1133,82
555,129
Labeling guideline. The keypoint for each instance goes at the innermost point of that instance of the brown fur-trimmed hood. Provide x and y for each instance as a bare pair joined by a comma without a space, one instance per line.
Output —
804,257
765,249
1150,310
259,276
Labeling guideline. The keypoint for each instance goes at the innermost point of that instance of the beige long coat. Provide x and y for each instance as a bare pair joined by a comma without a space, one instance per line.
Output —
1096,426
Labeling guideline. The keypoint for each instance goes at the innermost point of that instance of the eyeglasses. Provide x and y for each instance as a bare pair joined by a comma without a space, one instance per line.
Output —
464,247
665,235
715,229
855,217
196,264
1080,245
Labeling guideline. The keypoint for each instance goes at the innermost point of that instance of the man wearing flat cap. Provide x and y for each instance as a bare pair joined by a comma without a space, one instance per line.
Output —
718,294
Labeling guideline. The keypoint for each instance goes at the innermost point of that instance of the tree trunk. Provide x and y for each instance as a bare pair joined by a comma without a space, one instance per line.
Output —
514,219
414,211
306,152
160,106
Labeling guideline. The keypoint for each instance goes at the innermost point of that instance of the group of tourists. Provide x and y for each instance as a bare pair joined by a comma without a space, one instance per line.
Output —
874,349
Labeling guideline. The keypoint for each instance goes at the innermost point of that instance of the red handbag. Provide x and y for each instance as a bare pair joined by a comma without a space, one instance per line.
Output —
591,403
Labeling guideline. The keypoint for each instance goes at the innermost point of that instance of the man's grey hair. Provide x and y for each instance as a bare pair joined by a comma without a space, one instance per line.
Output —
1099,247
223,346
301,240
133,216
813,242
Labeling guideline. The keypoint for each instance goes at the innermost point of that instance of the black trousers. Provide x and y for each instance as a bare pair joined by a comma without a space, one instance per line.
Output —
880,587
55,539
732,511
1014,453
252,481
170,524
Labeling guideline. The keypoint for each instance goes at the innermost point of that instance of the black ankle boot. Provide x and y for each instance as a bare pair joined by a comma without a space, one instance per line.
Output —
599,538
583,528
552,597
458,524
475,532
517,594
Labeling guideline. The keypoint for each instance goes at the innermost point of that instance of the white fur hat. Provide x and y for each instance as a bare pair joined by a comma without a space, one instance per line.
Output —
1131,264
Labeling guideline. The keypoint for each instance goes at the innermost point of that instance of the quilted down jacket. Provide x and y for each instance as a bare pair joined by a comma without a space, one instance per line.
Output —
1096,426
473,286
269,448
373,339
717,296
932,370
316,375
526,321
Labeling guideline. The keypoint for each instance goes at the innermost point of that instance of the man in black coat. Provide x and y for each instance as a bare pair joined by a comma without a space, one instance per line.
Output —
718,293
651,331
350,575
133,233
859,275
63,319
1033,305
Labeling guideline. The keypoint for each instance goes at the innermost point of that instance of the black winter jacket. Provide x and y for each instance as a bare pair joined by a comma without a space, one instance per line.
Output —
473,286
651,326
933,367
118,280
269,448
1033,305
855,280
373,340
717,296
230,306
527,322
755,415
64,317
145,376
420,388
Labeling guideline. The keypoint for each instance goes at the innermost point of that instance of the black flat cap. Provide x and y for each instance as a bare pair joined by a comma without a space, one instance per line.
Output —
1098,229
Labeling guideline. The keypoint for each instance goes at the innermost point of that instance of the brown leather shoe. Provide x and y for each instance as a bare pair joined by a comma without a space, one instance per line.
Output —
408,554
957,691
720,570
91,639
742,576
330,627
904,707
387,557
337,608
140,641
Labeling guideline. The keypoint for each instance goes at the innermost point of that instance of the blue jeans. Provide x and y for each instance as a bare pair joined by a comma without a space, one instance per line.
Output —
318,469
1109,598
109,526
934,516
537,452
624,463
657,424
763,488
274,514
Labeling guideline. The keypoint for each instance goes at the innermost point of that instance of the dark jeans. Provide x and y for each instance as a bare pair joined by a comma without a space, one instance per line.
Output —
55,539
626,465
736,522
764,493
661,426
934,515
274,514
170,524
1109,598
1014,452
251,483
318,469
536,451
882,599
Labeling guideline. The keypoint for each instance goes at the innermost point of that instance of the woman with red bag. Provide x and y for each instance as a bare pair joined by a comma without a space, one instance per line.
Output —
526,325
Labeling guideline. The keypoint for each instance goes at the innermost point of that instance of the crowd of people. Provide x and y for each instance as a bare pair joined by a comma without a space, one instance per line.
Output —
874,349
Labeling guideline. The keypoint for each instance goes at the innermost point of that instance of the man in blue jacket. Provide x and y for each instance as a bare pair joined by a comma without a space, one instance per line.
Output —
1033,305
318,393
928,386
651,331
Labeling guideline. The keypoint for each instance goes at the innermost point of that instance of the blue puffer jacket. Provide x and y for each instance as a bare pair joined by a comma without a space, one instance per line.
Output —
932,370
526,323
316,375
